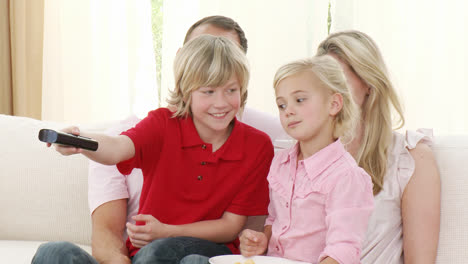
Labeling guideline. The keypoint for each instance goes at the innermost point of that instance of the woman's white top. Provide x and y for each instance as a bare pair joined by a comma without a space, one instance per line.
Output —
384,238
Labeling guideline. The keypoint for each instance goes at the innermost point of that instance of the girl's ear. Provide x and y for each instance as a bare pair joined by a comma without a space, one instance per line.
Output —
336,104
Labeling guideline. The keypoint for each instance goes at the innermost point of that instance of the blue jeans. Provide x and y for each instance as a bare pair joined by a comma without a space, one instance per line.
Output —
179,250
195,259
61,253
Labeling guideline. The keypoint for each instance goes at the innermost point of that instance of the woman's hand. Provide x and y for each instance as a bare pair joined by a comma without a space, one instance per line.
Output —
141,235
253,243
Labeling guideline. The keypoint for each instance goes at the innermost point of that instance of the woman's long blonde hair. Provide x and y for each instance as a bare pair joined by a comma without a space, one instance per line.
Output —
360,52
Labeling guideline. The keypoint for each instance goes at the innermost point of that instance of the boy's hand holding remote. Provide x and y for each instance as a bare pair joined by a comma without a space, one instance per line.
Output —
64,149
111,150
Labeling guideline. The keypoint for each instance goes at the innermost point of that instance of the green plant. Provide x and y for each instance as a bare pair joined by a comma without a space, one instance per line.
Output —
329,19
157,28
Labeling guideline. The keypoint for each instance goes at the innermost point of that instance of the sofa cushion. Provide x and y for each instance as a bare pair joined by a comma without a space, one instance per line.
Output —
451,153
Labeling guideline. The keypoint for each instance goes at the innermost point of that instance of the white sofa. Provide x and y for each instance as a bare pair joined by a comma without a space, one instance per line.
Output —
43,195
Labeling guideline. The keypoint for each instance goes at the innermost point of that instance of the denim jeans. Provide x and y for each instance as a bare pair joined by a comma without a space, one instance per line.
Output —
61,253
195,259
174,250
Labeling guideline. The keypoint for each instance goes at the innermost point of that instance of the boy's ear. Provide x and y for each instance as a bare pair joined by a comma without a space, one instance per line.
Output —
336,104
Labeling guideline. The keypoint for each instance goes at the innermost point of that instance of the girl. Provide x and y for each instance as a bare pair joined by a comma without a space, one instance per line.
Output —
204,171
320,200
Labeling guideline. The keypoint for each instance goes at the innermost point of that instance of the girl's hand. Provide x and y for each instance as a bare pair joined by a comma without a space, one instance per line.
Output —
253,243
68,150
141,235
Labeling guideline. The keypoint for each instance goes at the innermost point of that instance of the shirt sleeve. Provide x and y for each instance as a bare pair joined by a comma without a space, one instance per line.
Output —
348,208
147,137
253,198
106,183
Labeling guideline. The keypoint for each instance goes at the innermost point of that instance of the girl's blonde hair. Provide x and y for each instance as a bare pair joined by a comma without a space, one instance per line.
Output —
207,61
333,80
360,52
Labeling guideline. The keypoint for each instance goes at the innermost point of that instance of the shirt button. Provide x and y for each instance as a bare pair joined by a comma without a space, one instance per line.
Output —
277,248
199,177
287,205
203,146
203,163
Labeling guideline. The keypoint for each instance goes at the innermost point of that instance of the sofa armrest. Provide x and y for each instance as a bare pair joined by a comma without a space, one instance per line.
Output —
43,194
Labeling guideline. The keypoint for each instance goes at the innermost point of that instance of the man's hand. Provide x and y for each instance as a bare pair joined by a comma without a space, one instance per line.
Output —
253,243
108,226
141,235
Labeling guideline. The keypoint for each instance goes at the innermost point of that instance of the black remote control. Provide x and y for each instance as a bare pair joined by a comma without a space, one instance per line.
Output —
57,137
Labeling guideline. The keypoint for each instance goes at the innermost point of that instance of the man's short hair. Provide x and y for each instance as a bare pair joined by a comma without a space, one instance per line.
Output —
221,22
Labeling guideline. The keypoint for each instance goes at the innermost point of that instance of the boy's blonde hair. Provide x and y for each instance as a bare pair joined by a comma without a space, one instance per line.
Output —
207,61
360,52
333,80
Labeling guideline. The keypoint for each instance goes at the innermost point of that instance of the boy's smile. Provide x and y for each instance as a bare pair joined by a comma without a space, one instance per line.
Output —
220,115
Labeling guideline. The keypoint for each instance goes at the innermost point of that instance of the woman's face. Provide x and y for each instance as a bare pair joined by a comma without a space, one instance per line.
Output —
359,89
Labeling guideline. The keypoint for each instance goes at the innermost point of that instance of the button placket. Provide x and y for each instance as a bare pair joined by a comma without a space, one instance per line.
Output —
203,163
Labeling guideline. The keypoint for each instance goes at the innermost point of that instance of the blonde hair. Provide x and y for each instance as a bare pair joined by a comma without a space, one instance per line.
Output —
207,61
361,53
333,80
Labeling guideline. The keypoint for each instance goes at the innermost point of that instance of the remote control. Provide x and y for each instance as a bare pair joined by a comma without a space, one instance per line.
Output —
57,137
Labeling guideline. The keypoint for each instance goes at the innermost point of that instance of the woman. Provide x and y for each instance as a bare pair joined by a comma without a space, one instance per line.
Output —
404,226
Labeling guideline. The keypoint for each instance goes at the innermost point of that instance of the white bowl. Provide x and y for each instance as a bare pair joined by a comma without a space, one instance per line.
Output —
232,259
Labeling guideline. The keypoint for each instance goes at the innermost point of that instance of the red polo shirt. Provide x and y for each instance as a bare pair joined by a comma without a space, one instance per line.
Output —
185,182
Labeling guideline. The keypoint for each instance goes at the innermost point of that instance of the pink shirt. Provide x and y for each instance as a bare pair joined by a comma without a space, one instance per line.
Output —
319,208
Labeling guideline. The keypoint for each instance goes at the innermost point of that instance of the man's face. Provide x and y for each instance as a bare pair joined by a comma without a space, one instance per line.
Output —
208,29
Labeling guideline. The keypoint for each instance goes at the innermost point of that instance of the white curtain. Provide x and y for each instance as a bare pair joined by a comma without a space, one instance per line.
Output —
277,31
424,43
98,60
